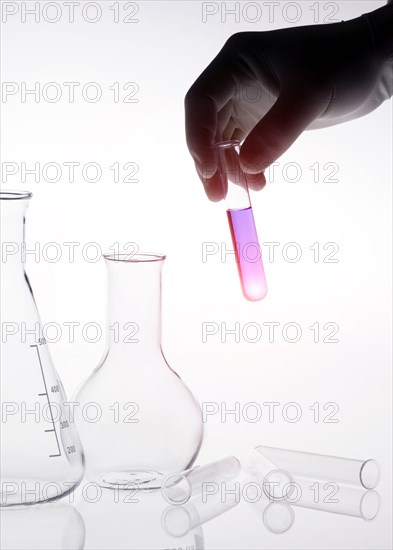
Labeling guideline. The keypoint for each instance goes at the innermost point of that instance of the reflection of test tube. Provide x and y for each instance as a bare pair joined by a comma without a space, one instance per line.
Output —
242,225
178,521
179,488
358,473
277,516
335,498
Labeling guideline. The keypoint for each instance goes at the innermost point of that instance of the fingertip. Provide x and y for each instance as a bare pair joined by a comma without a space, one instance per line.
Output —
206,170
212,195
213,188
250,160
256,182
252,168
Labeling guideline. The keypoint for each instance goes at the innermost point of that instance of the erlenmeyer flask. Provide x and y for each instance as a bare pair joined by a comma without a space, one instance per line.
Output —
137,420
41,455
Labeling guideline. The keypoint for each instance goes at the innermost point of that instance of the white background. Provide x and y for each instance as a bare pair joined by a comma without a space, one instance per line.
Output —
167,211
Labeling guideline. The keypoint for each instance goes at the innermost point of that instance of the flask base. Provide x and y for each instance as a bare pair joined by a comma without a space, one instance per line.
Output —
137,479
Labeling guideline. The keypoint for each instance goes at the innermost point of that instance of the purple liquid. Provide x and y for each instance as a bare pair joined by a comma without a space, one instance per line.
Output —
248,253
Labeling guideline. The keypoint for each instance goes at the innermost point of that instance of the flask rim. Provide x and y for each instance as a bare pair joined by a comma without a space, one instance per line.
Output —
137,257
8,195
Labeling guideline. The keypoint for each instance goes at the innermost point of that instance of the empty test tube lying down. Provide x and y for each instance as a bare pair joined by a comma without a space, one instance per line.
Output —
321,482
195,495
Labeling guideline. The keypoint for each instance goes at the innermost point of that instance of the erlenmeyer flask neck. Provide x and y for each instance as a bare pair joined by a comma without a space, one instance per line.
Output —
134,304
13,207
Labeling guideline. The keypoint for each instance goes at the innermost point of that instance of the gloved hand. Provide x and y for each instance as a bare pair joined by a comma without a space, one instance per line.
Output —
266,88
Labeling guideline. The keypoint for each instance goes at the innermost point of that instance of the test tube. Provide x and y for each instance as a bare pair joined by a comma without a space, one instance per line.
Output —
346,471
179,488
242,225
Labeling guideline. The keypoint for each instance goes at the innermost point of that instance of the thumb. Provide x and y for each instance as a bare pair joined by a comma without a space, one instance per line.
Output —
293,111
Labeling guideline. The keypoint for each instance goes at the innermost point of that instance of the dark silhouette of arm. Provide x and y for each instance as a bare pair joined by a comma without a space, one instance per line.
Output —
266,88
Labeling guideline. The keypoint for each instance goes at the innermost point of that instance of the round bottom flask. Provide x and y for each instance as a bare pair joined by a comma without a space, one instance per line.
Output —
137,419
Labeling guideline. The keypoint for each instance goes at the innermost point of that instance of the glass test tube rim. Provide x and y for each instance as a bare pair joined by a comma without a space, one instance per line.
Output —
184,499
366,463
266,482
187,476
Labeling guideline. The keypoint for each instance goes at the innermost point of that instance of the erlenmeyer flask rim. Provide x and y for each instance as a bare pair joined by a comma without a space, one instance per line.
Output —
138,257
7,195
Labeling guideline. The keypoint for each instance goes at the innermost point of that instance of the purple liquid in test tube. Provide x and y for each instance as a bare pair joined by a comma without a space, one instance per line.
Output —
248,253
241,221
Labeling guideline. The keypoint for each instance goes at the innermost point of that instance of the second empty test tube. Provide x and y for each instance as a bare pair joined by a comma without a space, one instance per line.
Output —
346,471
241,224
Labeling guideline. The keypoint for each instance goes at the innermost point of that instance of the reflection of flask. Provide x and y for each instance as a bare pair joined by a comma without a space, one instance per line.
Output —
54,526
131,521
137,420
41,455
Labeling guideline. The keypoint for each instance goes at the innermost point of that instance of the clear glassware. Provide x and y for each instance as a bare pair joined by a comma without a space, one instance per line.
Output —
196,495
267,461
241,221
321,482
147,422
123,520
335,498
180,487
180,520
41,457
49,526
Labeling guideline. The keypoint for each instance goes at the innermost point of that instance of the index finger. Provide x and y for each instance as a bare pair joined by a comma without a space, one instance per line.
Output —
203,101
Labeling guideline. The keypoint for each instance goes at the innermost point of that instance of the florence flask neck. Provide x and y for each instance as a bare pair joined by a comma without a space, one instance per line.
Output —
134,304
